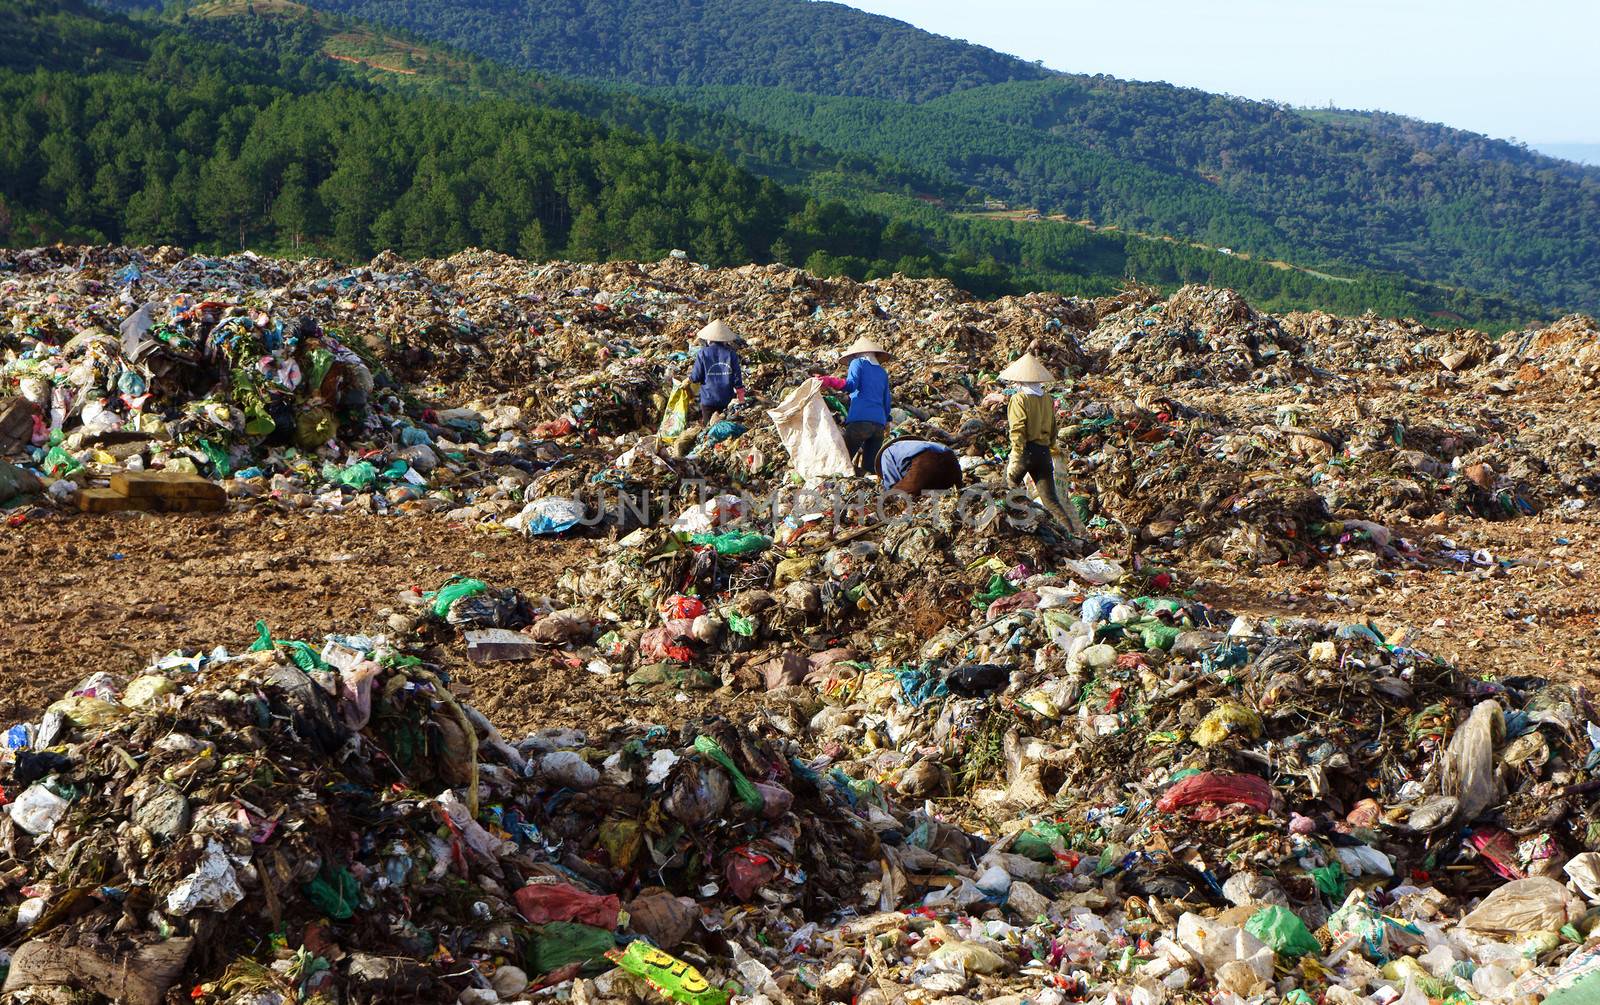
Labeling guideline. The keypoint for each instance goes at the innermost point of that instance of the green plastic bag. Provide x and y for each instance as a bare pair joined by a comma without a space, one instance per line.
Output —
58,462
1156,635
1039,842
559,943
999,586
219,458
1279,928
334,893
742,786
673,978
734,542
360,476
303,654
453,590
1584,991
1330,880
738,624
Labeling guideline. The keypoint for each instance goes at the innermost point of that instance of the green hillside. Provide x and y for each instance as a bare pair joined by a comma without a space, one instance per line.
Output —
676,43
123,132
276,127
1340,193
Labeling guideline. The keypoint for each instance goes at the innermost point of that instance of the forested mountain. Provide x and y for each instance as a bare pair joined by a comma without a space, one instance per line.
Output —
1337,191
309,132
119,132
812,45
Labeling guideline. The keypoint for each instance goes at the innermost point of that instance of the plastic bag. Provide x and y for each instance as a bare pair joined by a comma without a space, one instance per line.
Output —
663,918
212,886
748,870
1281,929
1227,719
359,477
1584,871
1469,783
315,426
147,689
550,515
542,903
38,810
669,975
15,481
1379,937
742,786
675,417
455,589
1525,905
807,431
334,893
563,943
734,542
1219,788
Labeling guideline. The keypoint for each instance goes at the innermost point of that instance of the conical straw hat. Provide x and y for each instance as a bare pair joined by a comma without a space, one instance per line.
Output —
716,331
864,345
1027,370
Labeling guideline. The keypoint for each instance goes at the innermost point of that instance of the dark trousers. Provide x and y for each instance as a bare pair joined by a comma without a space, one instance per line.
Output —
929,471
1037,463
707,411
863,440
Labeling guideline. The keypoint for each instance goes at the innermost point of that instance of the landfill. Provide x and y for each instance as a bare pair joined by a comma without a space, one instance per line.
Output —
836,753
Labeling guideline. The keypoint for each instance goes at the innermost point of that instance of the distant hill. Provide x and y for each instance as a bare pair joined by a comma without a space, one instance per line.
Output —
1331,191
267,124
674,43
141,133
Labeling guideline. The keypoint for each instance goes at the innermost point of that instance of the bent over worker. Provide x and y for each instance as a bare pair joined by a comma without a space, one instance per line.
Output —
717,369
916,466
1031,421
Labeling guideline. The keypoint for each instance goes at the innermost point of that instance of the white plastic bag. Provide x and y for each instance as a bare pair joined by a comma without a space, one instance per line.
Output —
38,810
1525,905
212,886
808,432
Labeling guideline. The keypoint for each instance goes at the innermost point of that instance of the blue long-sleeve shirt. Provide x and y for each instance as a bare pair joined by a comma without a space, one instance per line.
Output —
867,383
897,455
717,371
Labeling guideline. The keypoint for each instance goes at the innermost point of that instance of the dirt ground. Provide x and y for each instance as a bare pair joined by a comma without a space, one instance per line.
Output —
109,592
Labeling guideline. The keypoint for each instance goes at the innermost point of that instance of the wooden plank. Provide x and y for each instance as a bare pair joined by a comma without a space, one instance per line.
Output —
166,485
109,501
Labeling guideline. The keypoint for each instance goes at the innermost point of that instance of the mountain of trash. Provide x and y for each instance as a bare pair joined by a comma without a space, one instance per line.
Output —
475,385
951,758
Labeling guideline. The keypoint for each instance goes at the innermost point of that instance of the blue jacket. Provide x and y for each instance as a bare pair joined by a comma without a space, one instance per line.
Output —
716,370
897,455
867,383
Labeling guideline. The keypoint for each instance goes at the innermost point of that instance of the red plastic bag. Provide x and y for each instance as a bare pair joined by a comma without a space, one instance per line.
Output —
555,428
661,644
748,871
1219,788
681,608
541,903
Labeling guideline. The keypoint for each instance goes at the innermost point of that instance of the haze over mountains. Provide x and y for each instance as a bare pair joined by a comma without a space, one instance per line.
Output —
1356,209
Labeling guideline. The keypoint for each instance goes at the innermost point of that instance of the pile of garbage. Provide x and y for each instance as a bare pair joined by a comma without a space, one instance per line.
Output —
954,756
476,385
297,823
1076,792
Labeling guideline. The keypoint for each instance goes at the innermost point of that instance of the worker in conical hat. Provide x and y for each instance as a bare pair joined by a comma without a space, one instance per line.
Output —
867,383
1031,421
717,369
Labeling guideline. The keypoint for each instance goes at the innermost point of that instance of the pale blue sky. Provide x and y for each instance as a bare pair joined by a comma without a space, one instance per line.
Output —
1527,69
